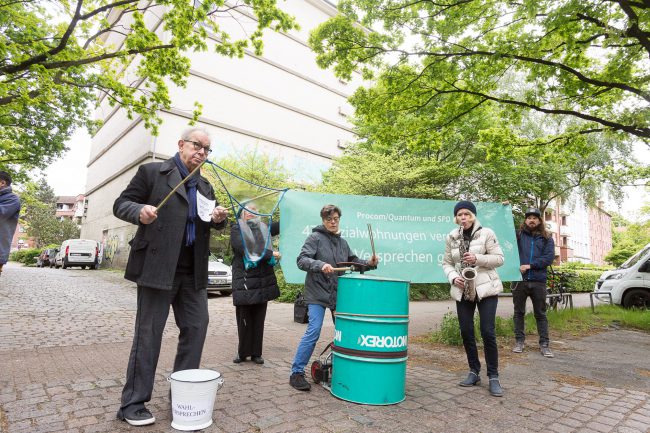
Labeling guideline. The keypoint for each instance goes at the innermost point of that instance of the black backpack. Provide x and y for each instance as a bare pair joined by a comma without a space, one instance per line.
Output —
300,312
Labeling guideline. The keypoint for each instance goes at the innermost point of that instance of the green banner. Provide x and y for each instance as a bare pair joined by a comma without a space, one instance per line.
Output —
409,234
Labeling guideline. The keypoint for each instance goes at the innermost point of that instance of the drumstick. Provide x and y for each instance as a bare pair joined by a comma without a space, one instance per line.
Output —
178,186
342,269
372,240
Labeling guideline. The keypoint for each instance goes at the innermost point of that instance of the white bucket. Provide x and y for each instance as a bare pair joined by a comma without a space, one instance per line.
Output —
193,396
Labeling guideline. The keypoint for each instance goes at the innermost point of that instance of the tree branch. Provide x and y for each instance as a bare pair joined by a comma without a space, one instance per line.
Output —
633,130
106,56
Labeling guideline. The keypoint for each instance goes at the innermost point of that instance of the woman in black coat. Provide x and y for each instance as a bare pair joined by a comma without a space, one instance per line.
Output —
252,287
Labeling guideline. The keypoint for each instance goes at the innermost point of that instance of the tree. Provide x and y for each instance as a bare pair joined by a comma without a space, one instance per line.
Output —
579,59
481,155
57,58
628,238
39,216
253,166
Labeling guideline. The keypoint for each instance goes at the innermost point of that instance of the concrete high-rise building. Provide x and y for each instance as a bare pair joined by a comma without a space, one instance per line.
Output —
280,103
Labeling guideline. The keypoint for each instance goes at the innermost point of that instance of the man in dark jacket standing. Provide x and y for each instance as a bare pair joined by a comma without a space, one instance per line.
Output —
323,249
169,262
9,212
536,253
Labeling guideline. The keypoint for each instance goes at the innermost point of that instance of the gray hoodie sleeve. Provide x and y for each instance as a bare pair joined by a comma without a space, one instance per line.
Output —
306,259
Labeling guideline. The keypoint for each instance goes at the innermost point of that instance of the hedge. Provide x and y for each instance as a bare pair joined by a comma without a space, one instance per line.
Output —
26,256
584,282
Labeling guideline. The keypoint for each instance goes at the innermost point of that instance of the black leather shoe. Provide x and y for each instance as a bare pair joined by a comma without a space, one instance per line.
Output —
471,380
495,387
239,359
257,359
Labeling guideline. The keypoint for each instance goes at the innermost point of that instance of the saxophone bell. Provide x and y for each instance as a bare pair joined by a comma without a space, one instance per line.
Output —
469,273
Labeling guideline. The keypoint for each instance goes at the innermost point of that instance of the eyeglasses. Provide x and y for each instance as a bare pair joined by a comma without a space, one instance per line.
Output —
332,219
198,146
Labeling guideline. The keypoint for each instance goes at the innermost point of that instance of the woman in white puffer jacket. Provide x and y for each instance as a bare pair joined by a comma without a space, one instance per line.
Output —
481,251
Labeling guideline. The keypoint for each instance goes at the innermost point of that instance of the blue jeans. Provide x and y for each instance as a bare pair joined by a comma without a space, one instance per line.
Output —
309,340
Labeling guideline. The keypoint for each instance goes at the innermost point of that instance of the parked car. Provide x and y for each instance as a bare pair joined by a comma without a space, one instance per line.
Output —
46,258
629,284
77,252
219,276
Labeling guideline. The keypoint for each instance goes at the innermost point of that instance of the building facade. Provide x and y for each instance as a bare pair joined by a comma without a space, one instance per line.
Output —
581,233
21,240
70,207
281,104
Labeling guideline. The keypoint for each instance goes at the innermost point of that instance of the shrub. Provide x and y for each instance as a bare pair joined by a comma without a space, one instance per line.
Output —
429,292
26,256
449,331
288,292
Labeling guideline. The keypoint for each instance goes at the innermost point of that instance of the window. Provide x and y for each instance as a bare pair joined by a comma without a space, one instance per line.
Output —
563,220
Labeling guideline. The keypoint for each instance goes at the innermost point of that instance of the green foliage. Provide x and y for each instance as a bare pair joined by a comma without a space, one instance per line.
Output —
448,332
579,321
429,292
58,55
579,60
628,238
411,147
254,166
39,208
574,266
25,256
585,281
288,292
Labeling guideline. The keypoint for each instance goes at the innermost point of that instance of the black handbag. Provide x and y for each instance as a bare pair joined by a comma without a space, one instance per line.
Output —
300,312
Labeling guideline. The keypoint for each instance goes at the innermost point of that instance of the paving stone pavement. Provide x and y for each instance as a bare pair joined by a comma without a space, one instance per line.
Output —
65,337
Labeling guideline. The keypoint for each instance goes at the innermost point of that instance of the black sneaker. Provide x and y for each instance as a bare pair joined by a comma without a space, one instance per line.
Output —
298,381
138,418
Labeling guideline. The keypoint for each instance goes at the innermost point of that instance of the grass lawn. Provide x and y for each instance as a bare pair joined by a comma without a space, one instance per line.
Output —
577,322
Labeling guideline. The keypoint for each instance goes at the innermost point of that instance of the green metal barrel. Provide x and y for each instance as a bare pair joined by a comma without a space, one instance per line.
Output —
370,340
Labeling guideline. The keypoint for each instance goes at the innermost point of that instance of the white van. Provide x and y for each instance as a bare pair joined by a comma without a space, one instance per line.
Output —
629,284
77,252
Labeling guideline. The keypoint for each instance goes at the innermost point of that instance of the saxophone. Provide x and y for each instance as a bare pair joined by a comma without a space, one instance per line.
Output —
467,271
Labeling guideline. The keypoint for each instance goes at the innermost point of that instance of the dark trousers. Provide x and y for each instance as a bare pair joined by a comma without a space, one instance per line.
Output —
250,328
536,290
191,314
487,310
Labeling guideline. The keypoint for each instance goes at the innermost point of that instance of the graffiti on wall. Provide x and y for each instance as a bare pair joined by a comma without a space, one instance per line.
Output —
115,248
111,248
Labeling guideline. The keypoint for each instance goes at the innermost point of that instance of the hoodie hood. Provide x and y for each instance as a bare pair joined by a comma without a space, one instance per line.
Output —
321,229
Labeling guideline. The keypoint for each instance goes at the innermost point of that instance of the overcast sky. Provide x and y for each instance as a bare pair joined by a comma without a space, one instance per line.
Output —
67,176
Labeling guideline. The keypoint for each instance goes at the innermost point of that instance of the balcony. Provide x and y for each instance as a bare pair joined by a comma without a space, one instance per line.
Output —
551,226
565,231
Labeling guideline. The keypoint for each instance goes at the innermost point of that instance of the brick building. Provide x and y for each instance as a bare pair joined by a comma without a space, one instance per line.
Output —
581,233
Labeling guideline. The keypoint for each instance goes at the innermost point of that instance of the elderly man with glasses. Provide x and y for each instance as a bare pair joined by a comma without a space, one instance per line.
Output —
169,263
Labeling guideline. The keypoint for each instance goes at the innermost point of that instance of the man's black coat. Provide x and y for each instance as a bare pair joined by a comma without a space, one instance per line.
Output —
156,246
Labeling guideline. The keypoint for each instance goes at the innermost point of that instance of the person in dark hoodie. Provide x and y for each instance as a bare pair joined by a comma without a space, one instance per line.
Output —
9,212
536,253
323,249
